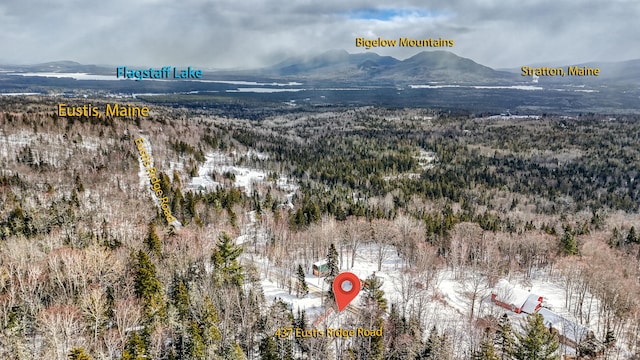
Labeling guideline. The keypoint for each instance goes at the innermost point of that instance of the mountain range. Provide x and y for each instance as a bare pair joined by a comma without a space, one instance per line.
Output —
369,68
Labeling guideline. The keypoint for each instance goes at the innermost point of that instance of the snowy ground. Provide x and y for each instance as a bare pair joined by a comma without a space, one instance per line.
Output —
446,304
245,178
443,300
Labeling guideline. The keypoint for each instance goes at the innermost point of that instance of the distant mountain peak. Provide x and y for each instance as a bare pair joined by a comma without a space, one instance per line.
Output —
437,65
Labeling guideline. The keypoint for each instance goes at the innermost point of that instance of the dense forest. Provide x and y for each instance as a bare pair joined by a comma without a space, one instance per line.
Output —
90,269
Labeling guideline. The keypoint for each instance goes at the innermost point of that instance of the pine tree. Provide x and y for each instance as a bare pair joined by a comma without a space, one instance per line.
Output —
609,338
225,261
332,272
568,244
431,347
234,352
268,350
536,342
373,296
504,340
195,347
371,318
313,213
181,299
135,348
632,238
165,184
152,240
394,328
302,287
300,322
438,347
78,183
210,330
190,207
616,238
176,178
176,205
402,337
147,286
75,200
487,350
79,354
588,347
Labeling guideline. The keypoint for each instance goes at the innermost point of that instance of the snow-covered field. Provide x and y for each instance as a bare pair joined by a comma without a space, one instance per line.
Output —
245,178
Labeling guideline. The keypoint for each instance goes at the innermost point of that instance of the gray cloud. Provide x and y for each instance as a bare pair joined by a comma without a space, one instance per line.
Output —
228,33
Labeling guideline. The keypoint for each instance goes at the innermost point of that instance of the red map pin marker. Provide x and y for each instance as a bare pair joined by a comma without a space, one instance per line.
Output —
346,287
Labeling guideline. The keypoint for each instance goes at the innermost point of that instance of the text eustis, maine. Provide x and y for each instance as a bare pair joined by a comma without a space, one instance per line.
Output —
89,110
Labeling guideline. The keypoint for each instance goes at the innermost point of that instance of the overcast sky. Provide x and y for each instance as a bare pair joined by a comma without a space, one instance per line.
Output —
253,33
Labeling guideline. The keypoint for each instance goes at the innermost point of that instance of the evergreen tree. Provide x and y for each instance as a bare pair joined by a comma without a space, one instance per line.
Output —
78,183
438,347
210,330
176,178
195,347
268,200
568,244
373,296
302,288
225,261
374,305
176,205
75,200
431,347
268,350
190,207
313,213
505,341
152,240
300,322
536,342
487,350
79,354
147,286
332,272
394,328
298,220
339,213
181,299
165,184
135,348
234,352
445,350
588,348
402,337
632,238
616,238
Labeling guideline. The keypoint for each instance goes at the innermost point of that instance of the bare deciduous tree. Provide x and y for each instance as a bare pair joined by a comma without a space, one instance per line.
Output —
127,315
60,324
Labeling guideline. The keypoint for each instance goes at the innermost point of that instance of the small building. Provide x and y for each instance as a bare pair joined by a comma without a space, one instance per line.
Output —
514,299
532,304
570,333
320,268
